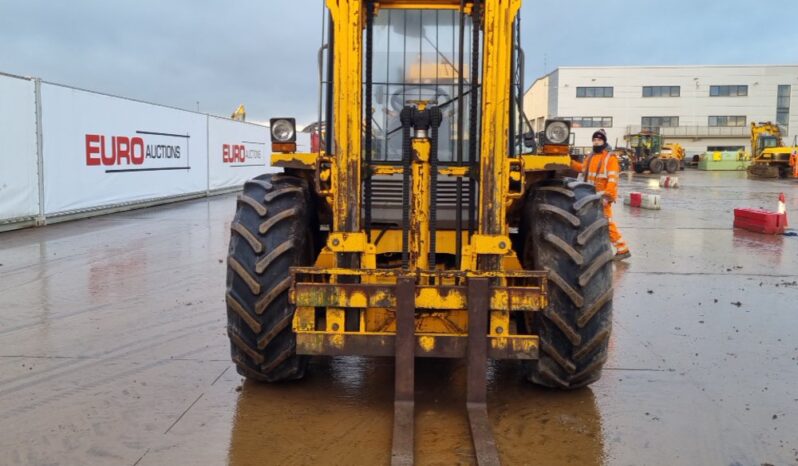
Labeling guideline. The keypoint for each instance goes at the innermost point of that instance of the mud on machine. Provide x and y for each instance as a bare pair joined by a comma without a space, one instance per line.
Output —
428,223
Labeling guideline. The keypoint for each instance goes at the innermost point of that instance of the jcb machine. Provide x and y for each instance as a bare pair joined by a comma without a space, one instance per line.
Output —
420,230
769,157
650,154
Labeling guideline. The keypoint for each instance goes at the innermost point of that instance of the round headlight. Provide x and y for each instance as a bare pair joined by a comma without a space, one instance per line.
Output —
557,132
282,130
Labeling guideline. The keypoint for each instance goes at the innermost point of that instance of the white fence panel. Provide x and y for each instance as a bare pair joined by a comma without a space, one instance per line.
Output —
237,152
101,151
19,185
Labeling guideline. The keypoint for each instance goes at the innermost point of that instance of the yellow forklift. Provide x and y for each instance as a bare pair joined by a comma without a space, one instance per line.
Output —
422,227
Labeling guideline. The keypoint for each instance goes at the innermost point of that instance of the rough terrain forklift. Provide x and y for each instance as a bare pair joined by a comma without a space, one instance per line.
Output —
421,227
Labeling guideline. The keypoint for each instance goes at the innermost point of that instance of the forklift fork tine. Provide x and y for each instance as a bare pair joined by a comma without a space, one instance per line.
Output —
476,391
403,416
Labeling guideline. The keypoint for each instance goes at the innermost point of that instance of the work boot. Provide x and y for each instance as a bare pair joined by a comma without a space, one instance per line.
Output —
619,256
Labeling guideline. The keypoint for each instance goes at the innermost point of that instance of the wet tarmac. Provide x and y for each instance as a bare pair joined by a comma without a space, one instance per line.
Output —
113,352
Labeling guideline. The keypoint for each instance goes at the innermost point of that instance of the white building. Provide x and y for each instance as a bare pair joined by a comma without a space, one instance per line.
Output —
700,107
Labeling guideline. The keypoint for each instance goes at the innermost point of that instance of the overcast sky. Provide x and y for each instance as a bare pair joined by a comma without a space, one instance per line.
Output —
263,53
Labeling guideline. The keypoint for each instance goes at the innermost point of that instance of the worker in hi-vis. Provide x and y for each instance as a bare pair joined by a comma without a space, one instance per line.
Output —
601,169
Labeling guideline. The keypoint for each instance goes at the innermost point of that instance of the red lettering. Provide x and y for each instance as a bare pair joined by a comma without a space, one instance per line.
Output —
122,150
108,160
92,149
239,154
138,159
235,153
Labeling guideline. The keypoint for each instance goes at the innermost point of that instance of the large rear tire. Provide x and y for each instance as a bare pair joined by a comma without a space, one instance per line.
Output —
566,233
671,165
272,230
656,165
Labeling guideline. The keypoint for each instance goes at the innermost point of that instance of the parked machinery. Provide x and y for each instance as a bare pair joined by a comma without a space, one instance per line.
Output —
769,157
672,150
650,154
422,229
240,114
625,157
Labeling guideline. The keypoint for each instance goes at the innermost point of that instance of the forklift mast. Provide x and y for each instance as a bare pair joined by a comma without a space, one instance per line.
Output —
351,94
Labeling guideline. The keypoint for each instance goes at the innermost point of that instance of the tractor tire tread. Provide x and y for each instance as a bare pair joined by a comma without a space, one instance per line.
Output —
273,230
574,330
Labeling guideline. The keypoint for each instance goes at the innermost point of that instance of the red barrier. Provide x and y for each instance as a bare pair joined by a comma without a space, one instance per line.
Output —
642,200
760,221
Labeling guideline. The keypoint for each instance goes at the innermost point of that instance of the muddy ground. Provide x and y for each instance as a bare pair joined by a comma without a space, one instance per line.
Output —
113,352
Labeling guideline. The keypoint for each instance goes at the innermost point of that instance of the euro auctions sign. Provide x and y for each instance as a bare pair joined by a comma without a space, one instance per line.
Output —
237,152
142,151
244,154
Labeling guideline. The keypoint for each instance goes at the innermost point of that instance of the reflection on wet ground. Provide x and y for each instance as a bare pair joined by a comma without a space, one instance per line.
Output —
343,415
113,351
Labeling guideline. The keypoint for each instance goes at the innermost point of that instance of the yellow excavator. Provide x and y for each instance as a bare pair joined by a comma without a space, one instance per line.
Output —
770,158
240,114
422,227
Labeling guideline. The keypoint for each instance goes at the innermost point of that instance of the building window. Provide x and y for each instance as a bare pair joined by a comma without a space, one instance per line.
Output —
594,92
654,122
728,91
727,121
783,106
589,122
661,91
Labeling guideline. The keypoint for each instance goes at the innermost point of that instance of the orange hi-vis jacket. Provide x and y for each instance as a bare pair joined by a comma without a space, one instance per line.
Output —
602,170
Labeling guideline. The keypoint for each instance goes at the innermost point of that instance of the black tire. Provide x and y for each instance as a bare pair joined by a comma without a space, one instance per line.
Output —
639,168
671,165
656,165
272,230
566,234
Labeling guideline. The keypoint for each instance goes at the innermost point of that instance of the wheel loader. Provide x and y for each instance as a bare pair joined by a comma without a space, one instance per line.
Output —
421,227
652,155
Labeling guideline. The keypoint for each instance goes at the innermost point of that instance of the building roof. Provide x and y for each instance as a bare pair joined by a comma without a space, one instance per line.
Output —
672,66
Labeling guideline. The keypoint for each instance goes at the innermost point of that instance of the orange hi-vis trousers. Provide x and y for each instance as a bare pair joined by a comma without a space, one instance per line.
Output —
615,234
602,171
